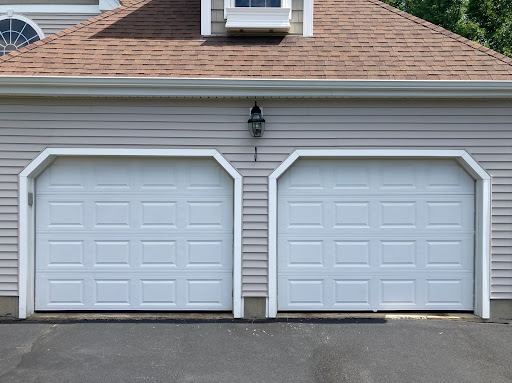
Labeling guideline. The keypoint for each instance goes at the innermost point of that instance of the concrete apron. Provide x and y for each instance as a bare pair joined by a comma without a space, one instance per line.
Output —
117,316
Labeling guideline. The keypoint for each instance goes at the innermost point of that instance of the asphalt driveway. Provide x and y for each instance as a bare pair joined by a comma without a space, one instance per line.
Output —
229,351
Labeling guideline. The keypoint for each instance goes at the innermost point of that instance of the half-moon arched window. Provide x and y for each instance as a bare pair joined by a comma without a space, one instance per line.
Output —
17,32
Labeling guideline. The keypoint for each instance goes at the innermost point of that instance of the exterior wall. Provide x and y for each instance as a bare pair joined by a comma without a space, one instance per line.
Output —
218,22
484,129
52,23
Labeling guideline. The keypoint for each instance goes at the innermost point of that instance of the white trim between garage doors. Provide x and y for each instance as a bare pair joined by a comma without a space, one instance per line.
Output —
482,212
27,213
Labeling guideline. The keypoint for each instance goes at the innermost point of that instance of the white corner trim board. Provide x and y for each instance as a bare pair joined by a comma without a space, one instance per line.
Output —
60,86
307,18
482,212
27,213
206,17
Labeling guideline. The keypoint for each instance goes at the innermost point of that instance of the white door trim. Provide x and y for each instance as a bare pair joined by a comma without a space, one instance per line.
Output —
482,212
26,272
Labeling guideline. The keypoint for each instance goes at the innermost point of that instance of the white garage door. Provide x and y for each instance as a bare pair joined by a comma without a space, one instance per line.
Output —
134,234
375,235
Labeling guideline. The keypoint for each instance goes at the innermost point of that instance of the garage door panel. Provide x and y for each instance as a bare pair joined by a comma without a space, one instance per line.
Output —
134,212
379,235
419,214
134,234
399,176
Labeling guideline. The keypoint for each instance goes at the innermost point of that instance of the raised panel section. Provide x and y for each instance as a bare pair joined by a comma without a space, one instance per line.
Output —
66,176
65,292
158,253
398,214
204,292
352,215
444,215
205,177
205,214
204,253
112,177
307,177
398,292
352,253
155,177
305,214
398,253
445,252
112,292
398,177
352,177
159,214
66,214
112,214
352,292
158,292
305,292
112,253
305,253
445,292
66,253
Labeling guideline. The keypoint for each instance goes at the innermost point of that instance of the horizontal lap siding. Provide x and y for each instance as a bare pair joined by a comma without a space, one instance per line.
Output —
483,129
52,23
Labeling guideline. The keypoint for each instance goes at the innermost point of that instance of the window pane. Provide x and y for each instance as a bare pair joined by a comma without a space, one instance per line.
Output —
15,34
29,32
274,3
17,25
257,3
241,3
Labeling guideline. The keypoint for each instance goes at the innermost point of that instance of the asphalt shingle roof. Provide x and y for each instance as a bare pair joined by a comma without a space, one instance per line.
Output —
353,39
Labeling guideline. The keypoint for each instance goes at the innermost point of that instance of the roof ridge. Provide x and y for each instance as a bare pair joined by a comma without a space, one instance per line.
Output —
436,28
67,31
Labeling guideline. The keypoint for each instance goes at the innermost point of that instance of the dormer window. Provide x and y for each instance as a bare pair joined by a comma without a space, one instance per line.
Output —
258,3
258,16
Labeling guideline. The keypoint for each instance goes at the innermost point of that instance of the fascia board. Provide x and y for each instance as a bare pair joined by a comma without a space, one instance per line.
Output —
216,87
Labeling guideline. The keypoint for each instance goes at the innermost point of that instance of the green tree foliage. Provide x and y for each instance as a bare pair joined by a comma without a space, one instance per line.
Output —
488,22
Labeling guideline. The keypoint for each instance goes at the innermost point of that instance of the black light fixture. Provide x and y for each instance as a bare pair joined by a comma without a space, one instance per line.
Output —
256,122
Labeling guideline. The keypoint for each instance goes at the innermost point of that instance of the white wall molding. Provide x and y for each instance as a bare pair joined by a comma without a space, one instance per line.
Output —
59,86
51,8
27,213
482,212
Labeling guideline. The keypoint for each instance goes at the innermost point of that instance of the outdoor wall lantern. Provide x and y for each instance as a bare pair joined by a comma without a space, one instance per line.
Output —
256,122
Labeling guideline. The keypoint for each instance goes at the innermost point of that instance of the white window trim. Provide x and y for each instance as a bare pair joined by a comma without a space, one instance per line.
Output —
25,19
54,8
482,284
26,262
231,4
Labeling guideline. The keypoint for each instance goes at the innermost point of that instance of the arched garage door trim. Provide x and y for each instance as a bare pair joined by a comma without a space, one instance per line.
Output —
482,209
27,212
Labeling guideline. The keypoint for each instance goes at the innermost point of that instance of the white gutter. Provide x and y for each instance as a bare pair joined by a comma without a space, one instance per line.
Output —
203,87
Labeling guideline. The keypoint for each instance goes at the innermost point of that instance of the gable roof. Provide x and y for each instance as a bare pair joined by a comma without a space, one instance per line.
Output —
353,39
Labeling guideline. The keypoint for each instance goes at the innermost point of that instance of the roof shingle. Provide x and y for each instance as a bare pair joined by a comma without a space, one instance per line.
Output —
353,39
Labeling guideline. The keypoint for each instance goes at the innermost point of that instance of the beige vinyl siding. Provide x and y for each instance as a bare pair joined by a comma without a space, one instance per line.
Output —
484,129
52,23
219,23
